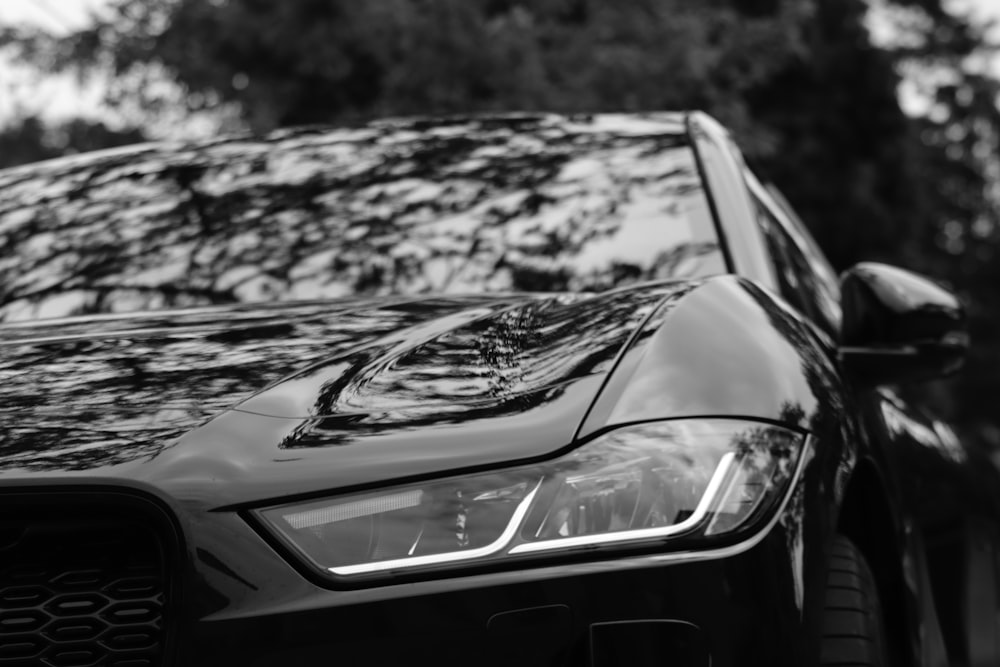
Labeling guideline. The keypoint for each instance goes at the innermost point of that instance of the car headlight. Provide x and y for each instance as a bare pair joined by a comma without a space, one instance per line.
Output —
648,482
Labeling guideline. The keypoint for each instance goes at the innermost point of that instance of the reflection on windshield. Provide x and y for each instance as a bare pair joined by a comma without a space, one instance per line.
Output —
529,204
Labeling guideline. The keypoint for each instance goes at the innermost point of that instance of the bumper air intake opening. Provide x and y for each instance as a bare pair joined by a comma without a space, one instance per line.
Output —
83,581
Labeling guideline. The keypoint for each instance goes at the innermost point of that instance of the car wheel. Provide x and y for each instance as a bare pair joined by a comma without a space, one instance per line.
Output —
853,623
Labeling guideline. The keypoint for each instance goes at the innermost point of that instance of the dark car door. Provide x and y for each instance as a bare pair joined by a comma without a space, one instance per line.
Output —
944,495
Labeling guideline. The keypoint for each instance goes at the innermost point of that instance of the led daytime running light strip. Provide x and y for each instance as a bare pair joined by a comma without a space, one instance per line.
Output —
493,547
717,480
721,471
353,510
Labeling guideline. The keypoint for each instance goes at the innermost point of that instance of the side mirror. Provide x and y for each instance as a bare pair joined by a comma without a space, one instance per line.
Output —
898,326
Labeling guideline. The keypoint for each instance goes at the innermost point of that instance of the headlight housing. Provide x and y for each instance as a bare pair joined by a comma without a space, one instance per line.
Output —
641,484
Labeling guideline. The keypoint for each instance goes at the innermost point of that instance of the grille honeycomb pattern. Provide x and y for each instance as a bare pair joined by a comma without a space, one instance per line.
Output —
80,593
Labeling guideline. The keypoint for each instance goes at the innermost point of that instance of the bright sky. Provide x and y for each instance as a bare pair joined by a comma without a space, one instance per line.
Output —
21,90
987,9
60,96
57,14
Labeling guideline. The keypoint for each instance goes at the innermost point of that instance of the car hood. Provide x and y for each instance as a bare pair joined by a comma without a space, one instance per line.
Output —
195,393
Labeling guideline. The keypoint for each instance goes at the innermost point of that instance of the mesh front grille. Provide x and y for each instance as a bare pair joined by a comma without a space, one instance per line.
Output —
79,592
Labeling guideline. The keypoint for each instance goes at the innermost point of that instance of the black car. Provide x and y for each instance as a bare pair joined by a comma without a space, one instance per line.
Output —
564,391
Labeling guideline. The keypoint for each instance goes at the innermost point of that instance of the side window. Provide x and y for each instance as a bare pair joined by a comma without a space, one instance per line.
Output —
827,281
804,276
777,247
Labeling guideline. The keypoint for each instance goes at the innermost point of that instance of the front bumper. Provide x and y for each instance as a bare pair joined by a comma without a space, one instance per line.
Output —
231,599
737,606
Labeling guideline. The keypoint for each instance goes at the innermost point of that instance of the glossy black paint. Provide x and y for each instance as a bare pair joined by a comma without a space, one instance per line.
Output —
87,393
323,400
203,414
899,326
244,456
727,328
243,602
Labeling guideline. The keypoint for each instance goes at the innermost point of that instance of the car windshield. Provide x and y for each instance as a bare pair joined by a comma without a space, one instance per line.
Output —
393,208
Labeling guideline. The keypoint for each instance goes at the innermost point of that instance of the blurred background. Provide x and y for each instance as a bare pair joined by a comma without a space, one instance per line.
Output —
879,120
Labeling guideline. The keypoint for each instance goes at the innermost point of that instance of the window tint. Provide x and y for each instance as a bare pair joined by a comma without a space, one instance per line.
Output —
827,281
805,278
777,247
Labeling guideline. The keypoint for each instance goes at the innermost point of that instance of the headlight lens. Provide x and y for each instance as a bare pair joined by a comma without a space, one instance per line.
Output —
649,481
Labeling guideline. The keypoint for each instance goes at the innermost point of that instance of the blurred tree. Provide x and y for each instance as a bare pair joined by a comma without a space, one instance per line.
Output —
841,153
955,176
25,141
326,60
920,190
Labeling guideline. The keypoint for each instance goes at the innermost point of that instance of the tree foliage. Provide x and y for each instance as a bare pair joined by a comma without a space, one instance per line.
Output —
810,94
314,61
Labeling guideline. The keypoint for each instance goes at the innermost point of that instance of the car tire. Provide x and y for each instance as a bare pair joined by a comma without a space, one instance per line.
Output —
853,623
